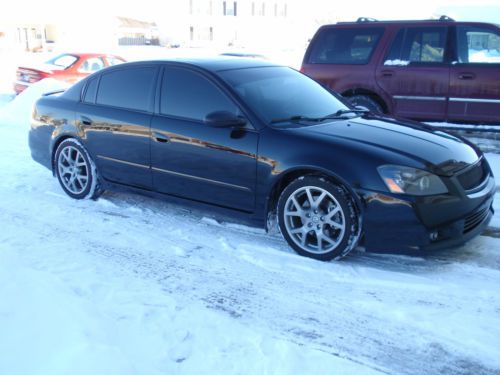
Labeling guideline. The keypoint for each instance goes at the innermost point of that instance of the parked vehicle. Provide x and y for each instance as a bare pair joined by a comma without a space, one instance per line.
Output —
430,69
258,141
68,67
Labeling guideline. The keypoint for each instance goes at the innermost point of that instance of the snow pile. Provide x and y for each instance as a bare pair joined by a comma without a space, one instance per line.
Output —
17,112
396,62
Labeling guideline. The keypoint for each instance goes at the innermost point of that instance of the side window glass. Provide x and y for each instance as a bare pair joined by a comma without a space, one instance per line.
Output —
91,91
424,45
114,61
345,46
476,45
130,88
188,94
394,55
91,65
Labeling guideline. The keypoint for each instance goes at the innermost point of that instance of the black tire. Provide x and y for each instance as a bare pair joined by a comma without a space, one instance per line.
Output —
75,170
366,101
325,229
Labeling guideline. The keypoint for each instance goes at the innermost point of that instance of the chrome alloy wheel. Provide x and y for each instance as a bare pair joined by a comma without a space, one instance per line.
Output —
314,219
73,169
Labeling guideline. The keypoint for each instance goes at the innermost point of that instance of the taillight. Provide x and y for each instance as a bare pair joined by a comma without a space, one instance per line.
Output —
35,77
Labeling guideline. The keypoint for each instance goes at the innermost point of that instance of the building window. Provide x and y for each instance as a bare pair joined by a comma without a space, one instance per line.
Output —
275,9
253,8
229,8
191,33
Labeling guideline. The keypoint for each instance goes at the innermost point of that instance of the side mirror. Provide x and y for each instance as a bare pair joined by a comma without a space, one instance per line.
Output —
224,119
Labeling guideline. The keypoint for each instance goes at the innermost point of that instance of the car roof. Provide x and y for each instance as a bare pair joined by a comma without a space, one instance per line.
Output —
213,64
444,20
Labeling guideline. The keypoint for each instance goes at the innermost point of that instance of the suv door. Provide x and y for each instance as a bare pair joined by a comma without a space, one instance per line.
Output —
193,160
475,75
115,115
415,72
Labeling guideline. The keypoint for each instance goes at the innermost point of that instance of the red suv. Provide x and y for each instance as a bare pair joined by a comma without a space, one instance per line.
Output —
430,69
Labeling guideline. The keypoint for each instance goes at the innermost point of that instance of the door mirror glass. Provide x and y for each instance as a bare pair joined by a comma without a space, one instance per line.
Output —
224,119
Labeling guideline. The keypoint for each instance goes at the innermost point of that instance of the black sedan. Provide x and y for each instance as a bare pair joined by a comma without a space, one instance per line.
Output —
264,143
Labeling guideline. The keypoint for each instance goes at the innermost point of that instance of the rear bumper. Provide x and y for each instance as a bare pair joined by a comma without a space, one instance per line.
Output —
398,224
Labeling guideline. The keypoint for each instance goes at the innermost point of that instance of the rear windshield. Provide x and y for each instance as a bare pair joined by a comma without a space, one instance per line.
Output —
64,61
344,46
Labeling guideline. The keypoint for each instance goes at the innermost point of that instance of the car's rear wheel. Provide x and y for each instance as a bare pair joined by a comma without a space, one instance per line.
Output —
366,101
317,218
76,171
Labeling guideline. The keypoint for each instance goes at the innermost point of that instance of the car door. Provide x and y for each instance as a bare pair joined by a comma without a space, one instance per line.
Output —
415,72
475,75
115,115
193,160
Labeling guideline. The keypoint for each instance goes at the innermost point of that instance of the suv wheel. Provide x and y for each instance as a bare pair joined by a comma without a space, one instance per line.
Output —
317,218
366,101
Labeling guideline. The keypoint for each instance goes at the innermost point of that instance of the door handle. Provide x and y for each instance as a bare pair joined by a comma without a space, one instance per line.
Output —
161,137
85,120
466,76
387,73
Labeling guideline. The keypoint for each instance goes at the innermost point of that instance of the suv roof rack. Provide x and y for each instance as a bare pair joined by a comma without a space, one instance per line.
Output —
445,18
442,18
366,19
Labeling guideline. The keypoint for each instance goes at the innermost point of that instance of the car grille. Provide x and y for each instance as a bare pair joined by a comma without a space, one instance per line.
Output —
473,220
473,177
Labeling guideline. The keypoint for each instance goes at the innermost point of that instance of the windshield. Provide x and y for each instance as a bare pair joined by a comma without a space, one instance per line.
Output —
281,93
64,61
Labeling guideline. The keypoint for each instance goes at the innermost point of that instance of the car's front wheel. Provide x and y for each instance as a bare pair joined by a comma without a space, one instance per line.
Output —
317,218
75,170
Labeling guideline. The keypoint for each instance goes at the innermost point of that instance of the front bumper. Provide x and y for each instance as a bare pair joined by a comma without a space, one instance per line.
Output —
402,224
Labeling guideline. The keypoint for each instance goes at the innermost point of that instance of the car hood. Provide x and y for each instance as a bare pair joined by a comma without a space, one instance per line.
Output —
441,152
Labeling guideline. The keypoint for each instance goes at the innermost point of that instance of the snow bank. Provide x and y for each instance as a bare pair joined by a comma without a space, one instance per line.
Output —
17,112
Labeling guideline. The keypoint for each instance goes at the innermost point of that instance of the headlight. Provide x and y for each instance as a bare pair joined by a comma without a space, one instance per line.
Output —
411,181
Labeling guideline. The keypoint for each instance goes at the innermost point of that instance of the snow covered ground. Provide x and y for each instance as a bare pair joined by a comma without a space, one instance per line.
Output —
131,285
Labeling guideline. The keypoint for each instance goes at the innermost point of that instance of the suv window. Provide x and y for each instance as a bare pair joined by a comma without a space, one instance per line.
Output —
345,46
188,94
477,45
418,45
130,88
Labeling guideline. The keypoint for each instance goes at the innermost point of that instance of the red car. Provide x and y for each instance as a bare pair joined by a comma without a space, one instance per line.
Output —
68,67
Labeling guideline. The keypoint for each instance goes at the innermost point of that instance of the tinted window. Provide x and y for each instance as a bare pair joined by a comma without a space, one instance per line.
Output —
421,45
476,45
188,94
277,93
91,91
345,46
130,88
394,54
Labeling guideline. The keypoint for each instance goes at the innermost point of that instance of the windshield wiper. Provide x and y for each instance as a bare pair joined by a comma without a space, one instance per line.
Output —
294,118
334,116
344,111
